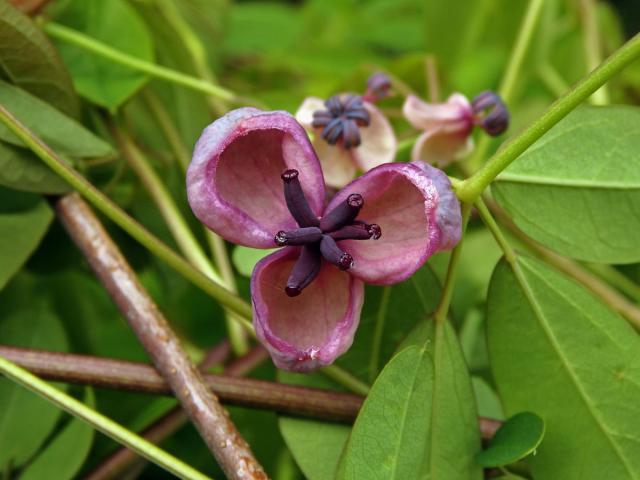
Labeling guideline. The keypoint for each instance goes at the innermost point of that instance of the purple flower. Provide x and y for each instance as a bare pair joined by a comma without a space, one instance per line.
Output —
256,180
350,133
447,126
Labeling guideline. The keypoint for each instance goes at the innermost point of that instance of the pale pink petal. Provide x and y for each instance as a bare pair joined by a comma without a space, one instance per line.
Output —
311,330
441,147
454,114
233,182
338,164
449,218
403,201
304,115
378,142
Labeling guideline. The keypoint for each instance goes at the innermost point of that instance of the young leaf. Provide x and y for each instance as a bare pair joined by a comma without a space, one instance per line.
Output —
518,437
577,190
557,351
419,415
60,132
27,419
116,24
20,233
31,62
67,451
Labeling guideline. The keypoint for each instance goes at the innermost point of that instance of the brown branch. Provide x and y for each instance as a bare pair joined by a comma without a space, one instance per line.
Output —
138,377
125,459
210,418
133,376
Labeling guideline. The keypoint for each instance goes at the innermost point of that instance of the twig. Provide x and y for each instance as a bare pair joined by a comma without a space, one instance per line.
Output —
202,406
139,377
125,459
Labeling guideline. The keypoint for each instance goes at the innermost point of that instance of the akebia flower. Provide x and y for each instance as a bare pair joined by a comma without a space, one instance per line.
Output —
350,133
256,180
447,126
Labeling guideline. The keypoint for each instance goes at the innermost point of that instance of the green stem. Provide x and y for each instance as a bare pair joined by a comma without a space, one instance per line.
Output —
194,48
86,42
493,227
99,421
552,79
592,46
170,132
377,333
442,309
473,187
508,83
178,227
236,332
346,379
616,278
128,224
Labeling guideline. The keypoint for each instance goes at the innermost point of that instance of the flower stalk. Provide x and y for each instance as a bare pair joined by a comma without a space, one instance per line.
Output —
470,189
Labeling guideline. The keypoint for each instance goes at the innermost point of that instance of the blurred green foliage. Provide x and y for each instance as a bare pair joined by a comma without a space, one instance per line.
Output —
277,53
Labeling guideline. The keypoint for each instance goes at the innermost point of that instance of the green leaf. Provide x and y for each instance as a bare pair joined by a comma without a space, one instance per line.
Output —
20,233
419,415
487,399
116,24
66,452
388,316
60,132
577,189
27,419
558,351
316,446
23,170
391,434
28,59
518,437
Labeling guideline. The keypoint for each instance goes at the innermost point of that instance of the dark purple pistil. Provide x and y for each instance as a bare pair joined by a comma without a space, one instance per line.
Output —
318,236
342,119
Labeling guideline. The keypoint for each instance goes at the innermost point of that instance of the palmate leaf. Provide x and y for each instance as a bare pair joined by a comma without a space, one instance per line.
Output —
577,190
28,59
116,24
557,351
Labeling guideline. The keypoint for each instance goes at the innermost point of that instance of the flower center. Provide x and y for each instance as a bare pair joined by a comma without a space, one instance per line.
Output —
318,236
342,119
